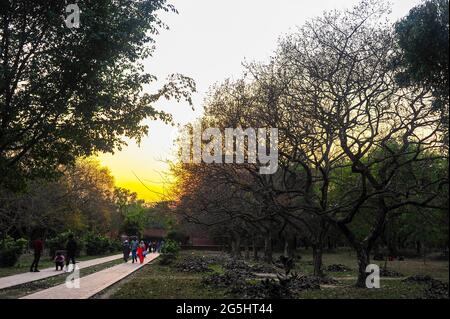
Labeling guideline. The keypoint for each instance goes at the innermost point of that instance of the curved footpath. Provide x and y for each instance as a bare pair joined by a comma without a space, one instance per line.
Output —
19,279
93,283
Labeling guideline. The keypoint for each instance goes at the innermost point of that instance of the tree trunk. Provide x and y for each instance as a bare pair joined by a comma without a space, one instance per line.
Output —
247,251
363,260
255,250
236,247
268,258
317,260
418,248
293,245
233,248
392,247
287,250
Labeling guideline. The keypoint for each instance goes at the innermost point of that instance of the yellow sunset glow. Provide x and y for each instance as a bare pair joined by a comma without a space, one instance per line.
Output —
208,41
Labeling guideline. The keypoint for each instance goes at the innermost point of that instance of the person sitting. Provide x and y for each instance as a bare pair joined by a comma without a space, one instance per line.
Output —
59,260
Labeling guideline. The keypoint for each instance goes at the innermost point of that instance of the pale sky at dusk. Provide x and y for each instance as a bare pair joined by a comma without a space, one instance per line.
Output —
207,41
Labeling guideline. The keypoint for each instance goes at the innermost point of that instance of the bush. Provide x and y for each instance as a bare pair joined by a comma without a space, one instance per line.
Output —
170,247
59,243
99,245
115,245
11,250
96,245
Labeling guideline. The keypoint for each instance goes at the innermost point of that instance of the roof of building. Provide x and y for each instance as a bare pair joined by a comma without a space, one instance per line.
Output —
155,232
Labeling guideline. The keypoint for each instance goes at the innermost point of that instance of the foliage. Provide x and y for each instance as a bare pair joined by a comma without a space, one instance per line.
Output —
352,144
135,218
99,245
170,247
11,250
70,92
423,38
59,243
169,252
161,216
80,200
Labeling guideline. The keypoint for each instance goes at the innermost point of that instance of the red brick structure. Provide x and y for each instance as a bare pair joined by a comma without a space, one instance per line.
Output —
154,234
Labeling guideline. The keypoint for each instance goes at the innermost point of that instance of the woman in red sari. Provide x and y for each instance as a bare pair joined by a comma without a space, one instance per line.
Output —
140,252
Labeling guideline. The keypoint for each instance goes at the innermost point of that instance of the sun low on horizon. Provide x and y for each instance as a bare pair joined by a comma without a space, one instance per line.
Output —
144,168
207,55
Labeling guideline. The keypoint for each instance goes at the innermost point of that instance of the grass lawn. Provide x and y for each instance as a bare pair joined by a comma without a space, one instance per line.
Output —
156,281
162,282
24,263
32,287
437,269
391,288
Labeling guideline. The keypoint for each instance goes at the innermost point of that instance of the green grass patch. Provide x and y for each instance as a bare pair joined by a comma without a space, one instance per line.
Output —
162,282
389,289
217,268
166,282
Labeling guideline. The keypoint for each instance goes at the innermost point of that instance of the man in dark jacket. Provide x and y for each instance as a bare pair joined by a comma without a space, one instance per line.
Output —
126,250
38,246
71,249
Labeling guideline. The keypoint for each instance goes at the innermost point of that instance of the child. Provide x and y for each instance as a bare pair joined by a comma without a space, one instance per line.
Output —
59,260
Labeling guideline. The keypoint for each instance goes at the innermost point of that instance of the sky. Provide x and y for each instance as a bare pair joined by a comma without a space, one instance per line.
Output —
208,40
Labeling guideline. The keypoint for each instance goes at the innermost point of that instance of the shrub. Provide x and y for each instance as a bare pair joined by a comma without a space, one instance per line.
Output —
170,247
115,245
11,250
97,244
59,243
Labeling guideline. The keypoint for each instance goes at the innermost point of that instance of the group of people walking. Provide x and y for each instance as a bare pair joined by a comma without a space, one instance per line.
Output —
139,249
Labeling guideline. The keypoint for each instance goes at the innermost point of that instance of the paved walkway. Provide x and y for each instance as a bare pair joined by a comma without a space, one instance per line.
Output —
14,280
93,283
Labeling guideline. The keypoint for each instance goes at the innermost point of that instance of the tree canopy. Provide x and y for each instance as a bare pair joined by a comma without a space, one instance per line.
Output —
70,92
424,50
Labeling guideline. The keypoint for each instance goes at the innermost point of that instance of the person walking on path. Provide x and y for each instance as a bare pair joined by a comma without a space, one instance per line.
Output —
144,248
38,246
126,250
71,249
140,252
134,247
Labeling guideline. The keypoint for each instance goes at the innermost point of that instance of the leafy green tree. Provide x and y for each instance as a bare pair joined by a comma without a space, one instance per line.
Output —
423,37
135,220
69,92
162,216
